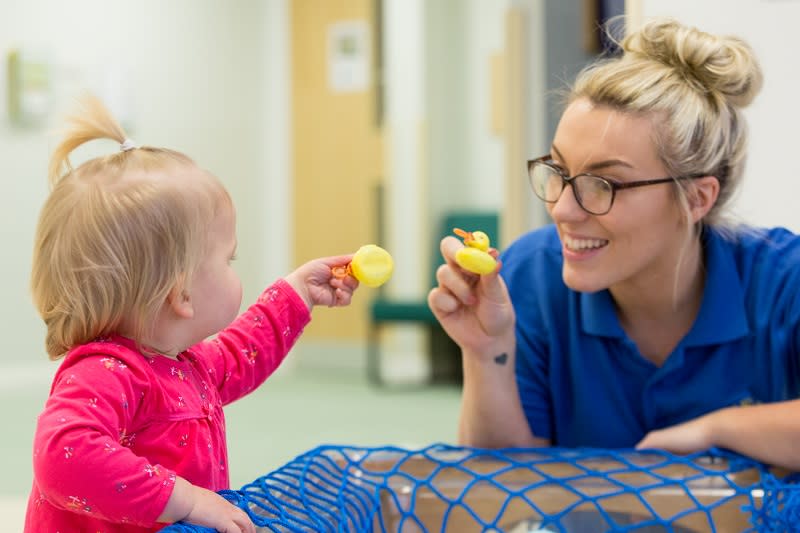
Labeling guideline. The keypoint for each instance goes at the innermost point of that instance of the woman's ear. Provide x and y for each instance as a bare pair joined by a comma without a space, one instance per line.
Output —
179,301
702,195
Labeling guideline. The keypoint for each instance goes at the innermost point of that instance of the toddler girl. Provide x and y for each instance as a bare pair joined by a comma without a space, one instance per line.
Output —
131,274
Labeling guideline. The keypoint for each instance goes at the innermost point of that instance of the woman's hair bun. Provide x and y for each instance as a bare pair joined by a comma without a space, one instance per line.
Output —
721,64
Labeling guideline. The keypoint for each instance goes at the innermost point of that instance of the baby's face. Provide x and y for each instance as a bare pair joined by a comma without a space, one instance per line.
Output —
216,291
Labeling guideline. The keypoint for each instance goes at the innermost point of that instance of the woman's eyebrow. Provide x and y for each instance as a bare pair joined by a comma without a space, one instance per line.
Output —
598,164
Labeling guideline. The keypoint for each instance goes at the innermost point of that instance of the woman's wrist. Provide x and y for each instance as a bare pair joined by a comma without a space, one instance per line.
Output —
497,351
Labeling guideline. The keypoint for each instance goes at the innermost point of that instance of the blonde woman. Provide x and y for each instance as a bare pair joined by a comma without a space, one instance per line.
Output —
131,274
641,316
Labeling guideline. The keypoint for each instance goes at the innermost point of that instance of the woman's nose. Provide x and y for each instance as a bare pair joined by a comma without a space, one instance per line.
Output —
567,208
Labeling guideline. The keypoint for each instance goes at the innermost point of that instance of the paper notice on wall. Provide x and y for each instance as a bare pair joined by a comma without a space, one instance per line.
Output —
29,87
348,56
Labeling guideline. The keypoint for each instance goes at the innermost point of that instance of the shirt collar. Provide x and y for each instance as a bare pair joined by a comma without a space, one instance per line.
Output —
722,314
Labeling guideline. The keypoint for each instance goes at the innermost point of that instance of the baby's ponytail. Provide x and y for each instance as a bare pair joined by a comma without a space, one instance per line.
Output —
92,121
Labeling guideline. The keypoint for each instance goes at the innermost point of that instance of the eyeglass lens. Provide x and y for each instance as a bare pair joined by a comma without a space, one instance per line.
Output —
594,194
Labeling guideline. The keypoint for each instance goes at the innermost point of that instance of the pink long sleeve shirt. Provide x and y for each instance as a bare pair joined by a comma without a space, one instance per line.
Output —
120,425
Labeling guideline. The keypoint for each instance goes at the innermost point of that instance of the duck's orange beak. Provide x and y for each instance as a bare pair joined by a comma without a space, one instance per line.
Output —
466,235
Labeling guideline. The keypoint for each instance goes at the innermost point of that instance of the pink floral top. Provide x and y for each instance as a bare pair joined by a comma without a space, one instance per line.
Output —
120,425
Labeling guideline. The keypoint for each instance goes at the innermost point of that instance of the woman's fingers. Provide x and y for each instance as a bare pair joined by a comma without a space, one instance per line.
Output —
458,282
442,302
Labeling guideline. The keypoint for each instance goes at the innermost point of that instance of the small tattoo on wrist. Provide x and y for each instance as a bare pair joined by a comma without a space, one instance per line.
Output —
501,359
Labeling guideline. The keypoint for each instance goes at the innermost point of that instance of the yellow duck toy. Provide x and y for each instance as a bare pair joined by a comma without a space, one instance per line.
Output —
371,265
475,256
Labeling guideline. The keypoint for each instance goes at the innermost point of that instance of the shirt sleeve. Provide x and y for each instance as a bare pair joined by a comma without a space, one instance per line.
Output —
532,371
247,352
532,272
81,461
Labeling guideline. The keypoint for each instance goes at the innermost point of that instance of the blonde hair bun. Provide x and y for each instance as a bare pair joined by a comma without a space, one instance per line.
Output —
722,64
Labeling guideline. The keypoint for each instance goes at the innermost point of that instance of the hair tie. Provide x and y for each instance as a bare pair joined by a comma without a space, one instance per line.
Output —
128,144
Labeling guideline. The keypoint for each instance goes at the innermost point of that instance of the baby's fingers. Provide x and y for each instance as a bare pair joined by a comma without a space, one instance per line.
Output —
341,298
243,523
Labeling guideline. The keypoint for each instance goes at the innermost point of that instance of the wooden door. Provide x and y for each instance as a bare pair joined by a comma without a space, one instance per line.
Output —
337,146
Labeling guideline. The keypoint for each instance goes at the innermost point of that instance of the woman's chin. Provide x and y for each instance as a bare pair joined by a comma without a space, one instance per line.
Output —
583,282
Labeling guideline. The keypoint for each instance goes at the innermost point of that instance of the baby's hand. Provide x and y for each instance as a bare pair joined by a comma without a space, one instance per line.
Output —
202,507
212,510
317,285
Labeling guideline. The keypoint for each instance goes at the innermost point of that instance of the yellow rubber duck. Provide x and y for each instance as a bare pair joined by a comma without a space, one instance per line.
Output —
371,265
475,256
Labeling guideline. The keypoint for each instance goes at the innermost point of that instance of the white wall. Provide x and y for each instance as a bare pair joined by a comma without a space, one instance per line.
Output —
441,152
212,80
772,179
404,49
484,153
194,74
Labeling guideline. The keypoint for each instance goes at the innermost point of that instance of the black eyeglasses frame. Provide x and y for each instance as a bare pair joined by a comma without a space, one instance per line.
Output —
613,184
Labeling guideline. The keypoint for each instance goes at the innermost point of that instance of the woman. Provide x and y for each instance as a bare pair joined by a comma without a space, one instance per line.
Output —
640,317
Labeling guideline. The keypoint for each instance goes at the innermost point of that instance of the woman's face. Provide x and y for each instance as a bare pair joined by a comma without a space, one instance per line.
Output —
638,241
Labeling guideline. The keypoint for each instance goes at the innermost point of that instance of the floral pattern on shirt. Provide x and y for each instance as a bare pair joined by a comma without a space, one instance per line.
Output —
120,425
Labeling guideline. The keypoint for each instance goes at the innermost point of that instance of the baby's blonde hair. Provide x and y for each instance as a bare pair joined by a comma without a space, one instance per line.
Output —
693,85
116,234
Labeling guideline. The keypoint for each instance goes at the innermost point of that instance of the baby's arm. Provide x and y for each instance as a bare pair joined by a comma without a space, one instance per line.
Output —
82,457
246,353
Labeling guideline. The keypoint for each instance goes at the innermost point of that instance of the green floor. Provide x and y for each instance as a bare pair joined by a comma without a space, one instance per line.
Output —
293,412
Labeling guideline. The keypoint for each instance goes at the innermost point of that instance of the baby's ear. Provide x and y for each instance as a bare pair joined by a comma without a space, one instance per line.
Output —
179,300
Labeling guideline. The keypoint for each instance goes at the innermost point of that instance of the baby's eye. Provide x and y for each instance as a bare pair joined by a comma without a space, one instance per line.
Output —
232,258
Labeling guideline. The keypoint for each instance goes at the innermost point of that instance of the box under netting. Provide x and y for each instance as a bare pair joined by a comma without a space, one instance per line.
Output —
454,489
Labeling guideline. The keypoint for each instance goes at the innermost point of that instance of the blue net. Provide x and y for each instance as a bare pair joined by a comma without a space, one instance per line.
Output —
454,489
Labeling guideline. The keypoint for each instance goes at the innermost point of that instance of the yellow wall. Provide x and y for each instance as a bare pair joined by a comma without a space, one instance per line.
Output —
337,155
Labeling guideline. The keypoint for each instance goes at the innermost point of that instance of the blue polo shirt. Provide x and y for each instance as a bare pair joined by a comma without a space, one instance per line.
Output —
582,380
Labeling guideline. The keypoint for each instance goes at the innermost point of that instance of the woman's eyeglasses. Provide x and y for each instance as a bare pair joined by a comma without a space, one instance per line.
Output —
595,194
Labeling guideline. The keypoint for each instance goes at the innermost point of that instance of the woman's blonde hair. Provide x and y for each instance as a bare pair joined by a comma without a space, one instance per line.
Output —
693,85
116,234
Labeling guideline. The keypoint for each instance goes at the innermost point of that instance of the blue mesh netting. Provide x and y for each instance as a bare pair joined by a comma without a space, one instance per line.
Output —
446,488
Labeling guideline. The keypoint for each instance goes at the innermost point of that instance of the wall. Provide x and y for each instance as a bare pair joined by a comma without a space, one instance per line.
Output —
201,77
193,77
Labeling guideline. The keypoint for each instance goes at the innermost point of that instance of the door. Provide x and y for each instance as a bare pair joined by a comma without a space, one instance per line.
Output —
336,142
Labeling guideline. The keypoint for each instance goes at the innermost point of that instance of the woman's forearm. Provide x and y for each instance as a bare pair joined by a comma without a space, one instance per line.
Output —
769,433
491,413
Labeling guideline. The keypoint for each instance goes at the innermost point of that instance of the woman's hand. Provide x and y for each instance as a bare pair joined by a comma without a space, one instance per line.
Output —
316,284
689,437
475,311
